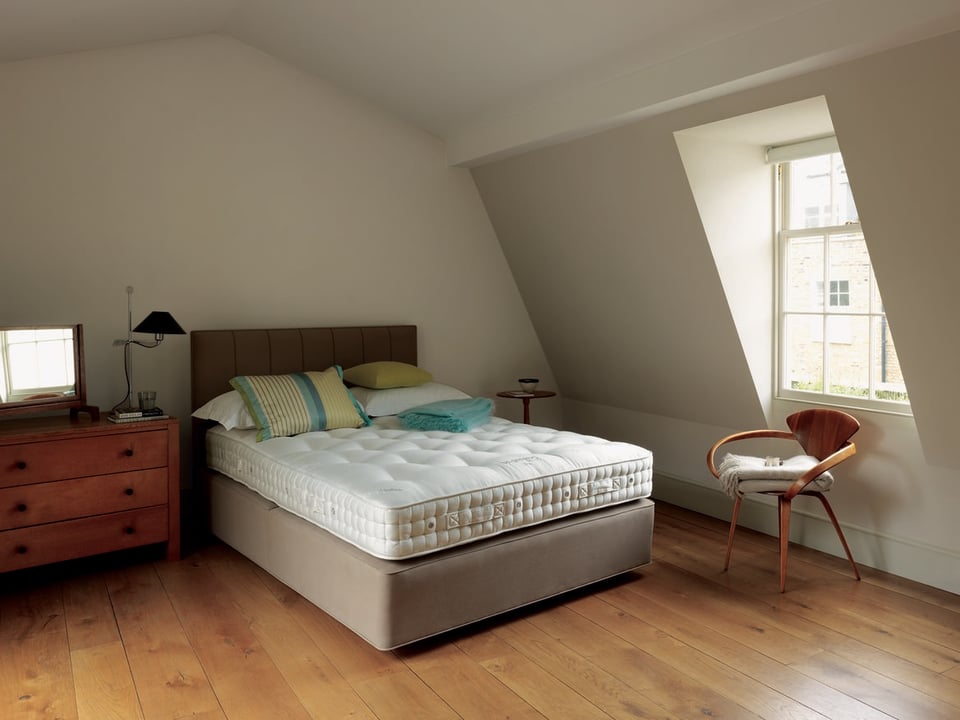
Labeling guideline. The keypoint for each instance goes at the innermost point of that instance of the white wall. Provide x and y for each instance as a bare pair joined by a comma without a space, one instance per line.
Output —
896,509
731,186
235,191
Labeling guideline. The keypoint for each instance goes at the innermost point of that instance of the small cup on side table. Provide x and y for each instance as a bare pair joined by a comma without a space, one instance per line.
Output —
147,399
528,384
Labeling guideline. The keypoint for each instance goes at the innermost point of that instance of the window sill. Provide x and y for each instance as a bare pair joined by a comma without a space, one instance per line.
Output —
843,403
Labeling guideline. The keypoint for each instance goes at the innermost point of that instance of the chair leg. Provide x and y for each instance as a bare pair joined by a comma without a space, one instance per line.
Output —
836,526
784,507
733,527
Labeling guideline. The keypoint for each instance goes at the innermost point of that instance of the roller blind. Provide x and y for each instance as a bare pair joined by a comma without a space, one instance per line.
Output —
805,149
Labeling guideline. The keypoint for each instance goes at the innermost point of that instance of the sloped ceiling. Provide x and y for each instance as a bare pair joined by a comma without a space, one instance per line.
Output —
497,76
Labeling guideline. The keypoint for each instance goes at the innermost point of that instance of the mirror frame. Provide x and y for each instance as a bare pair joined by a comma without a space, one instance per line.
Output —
75,404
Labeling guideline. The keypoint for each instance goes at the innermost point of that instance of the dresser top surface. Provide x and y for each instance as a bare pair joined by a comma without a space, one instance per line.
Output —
50,426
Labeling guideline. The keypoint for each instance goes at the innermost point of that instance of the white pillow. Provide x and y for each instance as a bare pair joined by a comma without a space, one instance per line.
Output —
392,401
229,410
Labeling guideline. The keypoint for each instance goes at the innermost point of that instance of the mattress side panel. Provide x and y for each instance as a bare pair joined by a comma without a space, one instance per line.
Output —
396,494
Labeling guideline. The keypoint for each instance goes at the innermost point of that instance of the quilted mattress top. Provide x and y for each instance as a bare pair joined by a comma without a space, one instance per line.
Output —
398,493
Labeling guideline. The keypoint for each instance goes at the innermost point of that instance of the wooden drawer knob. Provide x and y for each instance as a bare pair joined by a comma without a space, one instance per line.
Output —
20,465
21,549
128,491
129,530
128,452
21,507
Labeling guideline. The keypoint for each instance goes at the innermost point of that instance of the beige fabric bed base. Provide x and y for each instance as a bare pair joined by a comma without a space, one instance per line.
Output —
393,602
390,603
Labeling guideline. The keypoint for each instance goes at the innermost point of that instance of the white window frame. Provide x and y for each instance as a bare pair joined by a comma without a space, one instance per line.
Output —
783,237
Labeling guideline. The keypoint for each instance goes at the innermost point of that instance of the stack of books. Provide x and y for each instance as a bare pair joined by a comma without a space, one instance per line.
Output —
126,415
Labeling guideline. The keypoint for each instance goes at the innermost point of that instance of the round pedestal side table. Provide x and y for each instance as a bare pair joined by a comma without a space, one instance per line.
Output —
526,397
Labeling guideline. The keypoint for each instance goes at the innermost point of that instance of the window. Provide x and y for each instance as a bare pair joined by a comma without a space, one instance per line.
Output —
839,293
834,342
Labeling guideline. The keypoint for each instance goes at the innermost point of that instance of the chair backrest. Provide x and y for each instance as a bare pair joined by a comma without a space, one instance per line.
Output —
821,432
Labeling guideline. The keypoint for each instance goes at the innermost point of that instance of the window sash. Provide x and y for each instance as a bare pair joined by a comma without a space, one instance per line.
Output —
864,321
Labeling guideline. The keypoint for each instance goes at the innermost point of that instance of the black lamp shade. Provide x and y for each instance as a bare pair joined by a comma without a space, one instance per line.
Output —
159,323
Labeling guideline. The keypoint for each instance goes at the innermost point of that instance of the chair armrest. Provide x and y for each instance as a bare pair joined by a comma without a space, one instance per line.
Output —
817,470
746,435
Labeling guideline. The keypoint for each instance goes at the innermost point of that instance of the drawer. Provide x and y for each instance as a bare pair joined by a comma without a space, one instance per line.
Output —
70,539
68,499
46,460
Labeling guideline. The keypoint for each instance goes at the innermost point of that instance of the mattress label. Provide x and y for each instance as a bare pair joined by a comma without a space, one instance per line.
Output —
473,516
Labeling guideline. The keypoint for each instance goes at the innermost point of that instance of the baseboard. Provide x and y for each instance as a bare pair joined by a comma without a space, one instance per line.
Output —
930,565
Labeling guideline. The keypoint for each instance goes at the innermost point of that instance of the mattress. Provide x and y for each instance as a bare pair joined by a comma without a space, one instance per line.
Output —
397,493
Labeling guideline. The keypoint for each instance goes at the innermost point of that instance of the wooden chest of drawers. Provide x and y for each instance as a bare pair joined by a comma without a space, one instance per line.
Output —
76,487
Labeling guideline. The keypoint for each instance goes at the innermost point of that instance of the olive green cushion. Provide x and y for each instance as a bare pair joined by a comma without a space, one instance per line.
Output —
386,374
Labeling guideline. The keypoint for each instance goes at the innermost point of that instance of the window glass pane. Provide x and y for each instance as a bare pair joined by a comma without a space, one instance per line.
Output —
845,208
810,202
848,355
850,273
803,353
888,378
804,276
876,301
820,194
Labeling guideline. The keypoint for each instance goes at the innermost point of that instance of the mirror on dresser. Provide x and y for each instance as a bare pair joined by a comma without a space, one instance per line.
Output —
42,370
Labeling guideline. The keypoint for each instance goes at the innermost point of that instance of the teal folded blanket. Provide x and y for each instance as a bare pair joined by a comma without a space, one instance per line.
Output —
448,415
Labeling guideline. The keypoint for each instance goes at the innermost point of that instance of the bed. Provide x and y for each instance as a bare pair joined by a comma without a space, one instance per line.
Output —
469,556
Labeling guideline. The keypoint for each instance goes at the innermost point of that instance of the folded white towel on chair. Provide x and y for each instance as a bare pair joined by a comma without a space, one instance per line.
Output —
735,469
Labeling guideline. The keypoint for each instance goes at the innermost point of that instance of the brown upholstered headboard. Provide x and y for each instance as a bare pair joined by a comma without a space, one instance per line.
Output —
218,355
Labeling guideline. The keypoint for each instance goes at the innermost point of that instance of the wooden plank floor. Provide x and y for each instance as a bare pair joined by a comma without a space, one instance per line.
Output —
212,636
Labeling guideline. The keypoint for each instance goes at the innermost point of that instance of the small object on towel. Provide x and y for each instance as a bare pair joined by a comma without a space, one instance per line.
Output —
772,462
448,415
735,469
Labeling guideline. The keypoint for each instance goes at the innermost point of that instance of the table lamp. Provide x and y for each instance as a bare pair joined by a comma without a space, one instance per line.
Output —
159,323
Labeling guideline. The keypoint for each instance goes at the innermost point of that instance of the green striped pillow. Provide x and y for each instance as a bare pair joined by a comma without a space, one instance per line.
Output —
284,405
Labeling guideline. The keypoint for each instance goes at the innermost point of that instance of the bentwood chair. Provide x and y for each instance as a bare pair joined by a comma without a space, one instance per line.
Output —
823,434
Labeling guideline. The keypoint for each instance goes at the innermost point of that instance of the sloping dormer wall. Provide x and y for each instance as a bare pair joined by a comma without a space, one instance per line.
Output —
614,262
